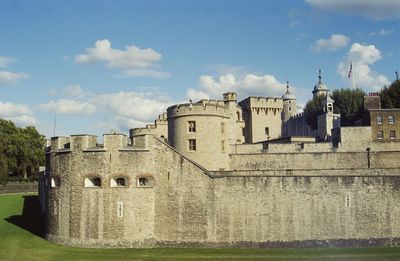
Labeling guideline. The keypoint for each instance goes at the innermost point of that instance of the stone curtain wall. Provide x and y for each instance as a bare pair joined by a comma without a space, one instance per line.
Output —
282,209
189,206
16,187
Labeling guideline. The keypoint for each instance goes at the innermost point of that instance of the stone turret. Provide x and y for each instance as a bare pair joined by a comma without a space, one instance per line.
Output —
289,104
320,88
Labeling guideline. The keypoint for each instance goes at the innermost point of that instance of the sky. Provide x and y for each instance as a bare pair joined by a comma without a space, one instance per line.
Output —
89,67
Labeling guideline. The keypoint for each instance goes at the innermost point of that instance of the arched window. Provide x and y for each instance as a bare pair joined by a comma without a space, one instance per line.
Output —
118,182
238,115
92,182
55,182
146,182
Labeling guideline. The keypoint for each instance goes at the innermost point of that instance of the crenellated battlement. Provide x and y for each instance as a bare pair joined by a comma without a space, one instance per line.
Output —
89,143
263,102
203,107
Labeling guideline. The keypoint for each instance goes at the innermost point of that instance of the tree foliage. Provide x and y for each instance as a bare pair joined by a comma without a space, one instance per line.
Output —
21,150
314,107
349,104
390,96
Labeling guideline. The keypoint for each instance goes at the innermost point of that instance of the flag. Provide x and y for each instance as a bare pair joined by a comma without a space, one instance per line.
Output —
350,71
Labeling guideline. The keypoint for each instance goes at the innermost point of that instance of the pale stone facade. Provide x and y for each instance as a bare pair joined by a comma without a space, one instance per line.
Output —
208,174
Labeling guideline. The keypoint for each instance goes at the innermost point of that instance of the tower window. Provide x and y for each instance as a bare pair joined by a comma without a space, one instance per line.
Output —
379,119
391,119
290,108
145,182
55,182
118,182
192,144
222,145
192,126
222,127
380,135
92,182
267,131
330,107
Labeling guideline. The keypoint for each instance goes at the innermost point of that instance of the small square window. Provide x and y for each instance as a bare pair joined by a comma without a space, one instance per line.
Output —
392,135
379,119
380,135
192,126
192,144
391,119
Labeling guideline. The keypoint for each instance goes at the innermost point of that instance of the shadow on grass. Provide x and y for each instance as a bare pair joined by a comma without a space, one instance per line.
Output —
31,219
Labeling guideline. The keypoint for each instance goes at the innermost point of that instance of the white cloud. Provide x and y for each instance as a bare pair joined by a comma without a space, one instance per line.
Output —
73,91
5,61
333,43
372,9
131,106
143,73
11,77
133,61
382,32
68,106
248,85
18,113
362,57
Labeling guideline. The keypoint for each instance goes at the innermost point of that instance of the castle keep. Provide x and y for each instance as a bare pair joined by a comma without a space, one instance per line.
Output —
228,173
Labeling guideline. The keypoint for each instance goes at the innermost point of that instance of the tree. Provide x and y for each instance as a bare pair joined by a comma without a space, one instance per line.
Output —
349,103
21,150
390,96
312,109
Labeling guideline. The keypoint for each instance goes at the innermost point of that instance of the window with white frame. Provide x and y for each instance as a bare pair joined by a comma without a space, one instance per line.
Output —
380,135
391,119
392,135
379,119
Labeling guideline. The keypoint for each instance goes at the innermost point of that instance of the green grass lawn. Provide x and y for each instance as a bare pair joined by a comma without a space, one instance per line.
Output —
21,231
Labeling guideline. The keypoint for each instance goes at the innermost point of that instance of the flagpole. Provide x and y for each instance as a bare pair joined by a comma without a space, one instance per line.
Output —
352,76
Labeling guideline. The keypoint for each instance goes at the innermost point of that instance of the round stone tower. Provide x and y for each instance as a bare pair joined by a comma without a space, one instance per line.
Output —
289,104
201,131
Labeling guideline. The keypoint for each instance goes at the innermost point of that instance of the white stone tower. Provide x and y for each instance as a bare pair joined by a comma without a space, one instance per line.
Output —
328,120
289,104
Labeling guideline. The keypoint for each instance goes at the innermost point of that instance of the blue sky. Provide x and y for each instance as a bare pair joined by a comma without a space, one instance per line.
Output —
101,65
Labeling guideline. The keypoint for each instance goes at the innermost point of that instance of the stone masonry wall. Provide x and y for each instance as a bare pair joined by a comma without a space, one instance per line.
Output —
287,202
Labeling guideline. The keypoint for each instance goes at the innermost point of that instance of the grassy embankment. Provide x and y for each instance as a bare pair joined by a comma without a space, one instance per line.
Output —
21,239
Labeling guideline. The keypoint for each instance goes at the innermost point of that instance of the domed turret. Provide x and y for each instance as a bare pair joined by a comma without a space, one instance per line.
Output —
288,94
289,104
320,88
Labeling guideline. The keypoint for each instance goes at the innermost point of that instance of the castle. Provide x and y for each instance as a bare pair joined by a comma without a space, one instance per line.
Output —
226,173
